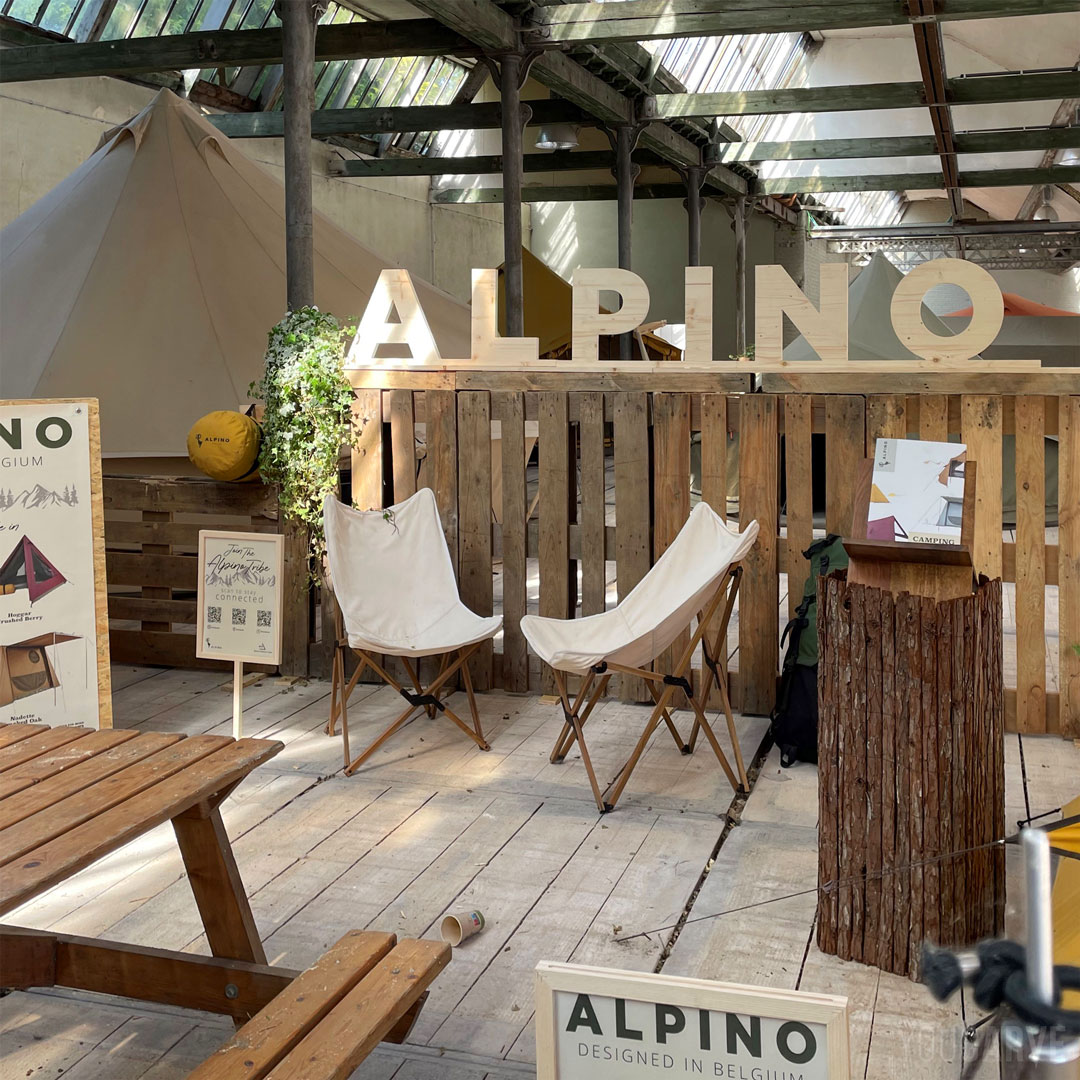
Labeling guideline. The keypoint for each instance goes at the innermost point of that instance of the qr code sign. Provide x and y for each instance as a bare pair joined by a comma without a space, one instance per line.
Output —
262,619
213,615
239,616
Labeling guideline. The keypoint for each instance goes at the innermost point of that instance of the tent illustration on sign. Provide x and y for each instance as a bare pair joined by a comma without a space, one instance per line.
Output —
25,667
26,568
886,528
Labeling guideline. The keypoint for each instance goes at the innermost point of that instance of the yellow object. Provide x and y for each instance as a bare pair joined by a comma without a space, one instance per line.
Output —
876,494
225,445
1066,898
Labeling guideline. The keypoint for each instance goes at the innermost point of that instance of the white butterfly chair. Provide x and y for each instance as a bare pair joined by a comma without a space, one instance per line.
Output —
394,584
698,575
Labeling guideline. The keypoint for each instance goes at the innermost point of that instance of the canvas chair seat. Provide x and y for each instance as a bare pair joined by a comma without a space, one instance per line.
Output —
394,585
656,610
697,576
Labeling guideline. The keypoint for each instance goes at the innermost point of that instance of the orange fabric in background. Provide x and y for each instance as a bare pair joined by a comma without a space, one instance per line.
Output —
1018,305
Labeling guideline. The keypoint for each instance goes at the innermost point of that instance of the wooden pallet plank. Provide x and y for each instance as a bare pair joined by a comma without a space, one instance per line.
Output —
509,409
799,486
845,445
671,496
593,531
367,454
714,480
440,468
886,418
759,597
554,509
934,417
474,519
981,432
632,542
403,443
1069,566
131,568
1030,565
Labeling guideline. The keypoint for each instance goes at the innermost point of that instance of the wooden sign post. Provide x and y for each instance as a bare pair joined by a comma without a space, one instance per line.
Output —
240,603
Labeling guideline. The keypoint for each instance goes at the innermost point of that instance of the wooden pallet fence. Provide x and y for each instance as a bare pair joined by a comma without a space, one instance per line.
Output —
644,438
151,555
911,767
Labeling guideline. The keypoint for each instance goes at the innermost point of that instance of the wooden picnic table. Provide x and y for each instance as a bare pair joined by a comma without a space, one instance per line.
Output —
68,797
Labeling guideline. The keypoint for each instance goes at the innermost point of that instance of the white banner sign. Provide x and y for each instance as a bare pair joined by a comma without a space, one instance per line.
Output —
50,480
598,1024
239,617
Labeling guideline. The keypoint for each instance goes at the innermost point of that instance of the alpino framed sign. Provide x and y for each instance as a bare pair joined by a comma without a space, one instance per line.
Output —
602,1024
54,619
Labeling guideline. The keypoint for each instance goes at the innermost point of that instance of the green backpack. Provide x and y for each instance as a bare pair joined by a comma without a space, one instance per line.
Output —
795,717
825,555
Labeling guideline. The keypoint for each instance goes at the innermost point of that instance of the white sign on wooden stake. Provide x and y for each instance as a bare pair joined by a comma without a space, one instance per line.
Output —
240,603
600,1024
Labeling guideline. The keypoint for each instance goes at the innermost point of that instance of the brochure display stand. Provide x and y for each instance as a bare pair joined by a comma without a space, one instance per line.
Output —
910,752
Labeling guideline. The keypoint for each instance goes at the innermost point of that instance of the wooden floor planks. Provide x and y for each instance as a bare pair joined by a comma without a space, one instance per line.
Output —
433,825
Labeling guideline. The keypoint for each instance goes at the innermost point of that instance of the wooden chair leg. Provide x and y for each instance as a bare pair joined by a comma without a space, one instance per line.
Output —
466,678
587,762
615,788
569,733
684,747
365,754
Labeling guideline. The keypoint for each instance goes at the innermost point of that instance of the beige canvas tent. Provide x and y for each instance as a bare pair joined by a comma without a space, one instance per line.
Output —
150,277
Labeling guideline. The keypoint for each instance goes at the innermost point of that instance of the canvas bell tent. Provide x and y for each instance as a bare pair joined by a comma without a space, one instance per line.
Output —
150,277
870,331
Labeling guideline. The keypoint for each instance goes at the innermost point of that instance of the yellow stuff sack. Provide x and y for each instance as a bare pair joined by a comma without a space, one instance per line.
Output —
225,445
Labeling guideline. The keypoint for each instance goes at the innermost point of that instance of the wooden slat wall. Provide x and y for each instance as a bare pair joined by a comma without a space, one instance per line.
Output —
799,477
651,456
632,520
509,409
1069,564
152,565
474,518
759,597
714,475
593,536
556,477
1030,565
671,495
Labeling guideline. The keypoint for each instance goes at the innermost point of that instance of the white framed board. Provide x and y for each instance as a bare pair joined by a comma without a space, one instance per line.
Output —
54,620
240,596
604,1024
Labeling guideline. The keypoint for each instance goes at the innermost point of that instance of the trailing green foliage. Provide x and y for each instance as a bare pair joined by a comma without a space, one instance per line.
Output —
308,417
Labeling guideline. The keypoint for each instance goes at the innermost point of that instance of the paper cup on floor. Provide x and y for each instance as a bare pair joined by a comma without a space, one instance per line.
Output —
456,928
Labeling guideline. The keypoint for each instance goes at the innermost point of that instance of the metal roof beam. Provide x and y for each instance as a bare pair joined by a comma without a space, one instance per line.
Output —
226,48
639,20
925,181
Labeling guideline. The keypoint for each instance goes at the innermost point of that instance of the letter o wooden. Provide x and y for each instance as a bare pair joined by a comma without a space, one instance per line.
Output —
987,306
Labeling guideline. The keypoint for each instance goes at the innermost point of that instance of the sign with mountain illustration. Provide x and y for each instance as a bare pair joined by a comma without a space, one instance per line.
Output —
239,609
54,649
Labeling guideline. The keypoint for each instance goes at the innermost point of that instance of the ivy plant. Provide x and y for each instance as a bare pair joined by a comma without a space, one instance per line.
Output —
307,418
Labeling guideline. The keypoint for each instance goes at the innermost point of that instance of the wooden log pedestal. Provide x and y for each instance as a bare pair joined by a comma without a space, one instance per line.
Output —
910,755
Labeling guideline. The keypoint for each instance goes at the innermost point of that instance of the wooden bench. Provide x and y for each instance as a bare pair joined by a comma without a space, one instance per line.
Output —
368,988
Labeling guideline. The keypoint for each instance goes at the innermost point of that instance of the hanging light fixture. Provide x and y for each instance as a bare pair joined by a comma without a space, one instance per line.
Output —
557,137
1046,212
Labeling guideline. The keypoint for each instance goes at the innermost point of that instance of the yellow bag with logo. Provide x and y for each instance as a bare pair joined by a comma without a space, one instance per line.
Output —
225,445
